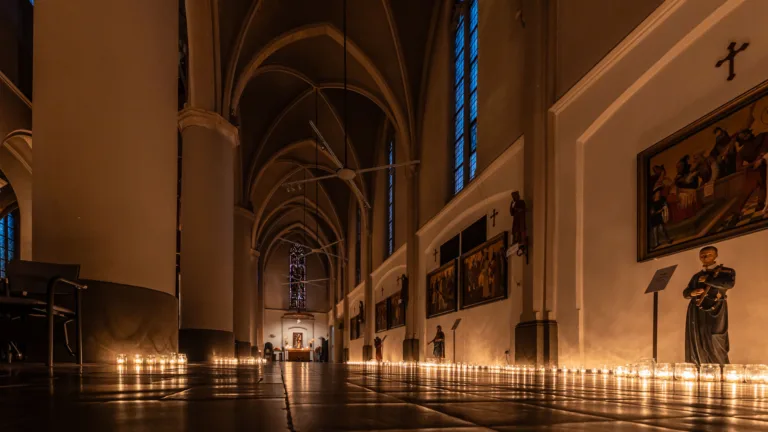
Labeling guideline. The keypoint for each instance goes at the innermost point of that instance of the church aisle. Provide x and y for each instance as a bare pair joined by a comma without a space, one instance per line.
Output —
326,397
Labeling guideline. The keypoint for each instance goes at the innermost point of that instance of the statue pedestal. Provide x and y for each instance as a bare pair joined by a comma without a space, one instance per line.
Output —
367,352
536,343
411,350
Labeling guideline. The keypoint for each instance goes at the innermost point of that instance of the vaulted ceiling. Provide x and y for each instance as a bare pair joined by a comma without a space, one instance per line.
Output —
283,65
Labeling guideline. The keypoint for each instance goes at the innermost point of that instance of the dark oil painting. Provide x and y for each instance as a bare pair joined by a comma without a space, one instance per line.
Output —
441,290
484,273
706,182
396,311
381,315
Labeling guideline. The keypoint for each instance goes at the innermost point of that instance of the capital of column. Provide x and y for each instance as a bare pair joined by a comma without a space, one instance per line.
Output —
209,120
255,253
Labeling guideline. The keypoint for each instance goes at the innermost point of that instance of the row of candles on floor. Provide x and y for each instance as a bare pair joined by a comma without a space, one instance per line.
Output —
178,359
648,369
173,359
234,361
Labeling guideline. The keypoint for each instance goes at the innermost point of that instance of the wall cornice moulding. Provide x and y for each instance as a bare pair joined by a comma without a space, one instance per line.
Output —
244,212
209,120
464,197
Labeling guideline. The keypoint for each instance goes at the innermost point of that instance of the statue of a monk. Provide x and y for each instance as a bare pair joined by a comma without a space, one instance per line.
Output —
706,326
517,211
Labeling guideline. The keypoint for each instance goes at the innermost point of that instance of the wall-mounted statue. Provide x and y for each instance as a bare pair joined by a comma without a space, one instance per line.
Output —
362,311
519,233
404,290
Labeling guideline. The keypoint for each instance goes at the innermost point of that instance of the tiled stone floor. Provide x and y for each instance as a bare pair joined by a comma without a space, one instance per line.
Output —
323,397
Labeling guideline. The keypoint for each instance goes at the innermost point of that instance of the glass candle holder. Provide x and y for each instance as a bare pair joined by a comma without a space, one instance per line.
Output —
138,359
182,359
709,372
150,360
121,359
632,370
645,368
162,360
173,358
733,373
620,371
664,371
756,374
685,371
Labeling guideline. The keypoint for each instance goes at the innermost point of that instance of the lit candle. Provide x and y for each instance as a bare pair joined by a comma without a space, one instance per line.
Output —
138,359
122,359
733,373
664,371
756,373
182,359
709,372
685,371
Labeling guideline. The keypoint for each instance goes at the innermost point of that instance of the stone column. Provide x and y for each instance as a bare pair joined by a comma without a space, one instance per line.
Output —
243,281
536,334
370,306
345,333
257,322
414,315
105,150
207,227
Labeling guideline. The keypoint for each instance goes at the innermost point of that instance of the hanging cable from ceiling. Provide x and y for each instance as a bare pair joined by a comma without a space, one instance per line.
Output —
344,24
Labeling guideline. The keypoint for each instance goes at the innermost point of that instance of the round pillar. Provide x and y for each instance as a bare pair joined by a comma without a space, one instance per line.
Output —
207,227
244,279
104,187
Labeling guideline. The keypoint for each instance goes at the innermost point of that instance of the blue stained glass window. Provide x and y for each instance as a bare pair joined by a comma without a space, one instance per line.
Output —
7,241
465,114
297,275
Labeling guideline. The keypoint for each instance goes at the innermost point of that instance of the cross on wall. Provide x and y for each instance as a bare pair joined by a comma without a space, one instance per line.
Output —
434,253
493,215
730,58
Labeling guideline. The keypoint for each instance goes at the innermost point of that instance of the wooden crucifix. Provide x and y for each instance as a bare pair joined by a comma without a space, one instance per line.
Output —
434,253
731,57
493,215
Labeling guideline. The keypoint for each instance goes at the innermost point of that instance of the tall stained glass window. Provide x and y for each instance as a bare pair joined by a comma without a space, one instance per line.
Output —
465,95
297,272
358,248
8,225
390,239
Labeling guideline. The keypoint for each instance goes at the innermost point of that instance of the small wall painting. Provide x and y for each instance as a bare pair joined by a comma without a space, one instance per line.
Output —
707,181
484,273
441,290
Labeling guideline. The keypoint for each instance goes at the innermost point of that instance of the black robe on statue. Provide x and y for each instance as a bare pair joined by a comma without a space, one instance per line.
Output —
706,332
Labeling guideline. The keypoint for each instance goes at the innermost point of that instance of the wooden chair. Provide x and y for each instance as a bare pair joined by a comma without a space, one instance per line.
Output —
31,289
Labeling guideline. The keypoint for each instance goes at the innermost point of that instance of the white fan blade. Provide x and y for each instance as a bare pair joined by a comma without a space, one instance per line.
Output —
331,244
359,193
365,170
310,180
327,146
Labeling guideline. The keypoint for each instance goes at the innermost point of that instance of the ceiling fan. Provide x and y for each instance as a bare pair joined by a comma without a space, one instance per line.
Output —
343,172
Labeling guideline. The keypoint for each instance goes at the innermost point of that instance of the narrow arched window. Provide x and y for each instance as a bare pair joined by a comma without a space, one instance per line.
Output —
358,247
465,95
8,230
390,233
298,275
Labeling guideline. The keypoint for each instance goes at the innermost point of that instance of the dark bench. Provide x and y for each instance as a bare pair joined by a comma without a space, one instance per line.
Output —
31,289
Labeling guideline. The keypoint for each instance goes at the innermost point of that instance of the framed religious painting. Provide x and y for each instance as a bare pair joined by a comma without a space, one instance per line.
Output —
396,311
707,181
381,315
442,295
484,273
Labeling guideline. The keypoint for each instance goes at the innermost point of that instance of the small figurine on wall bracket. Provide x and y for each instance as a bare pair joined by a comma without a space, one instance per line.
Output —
403,279
706,323
439,340
362,311
519,241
